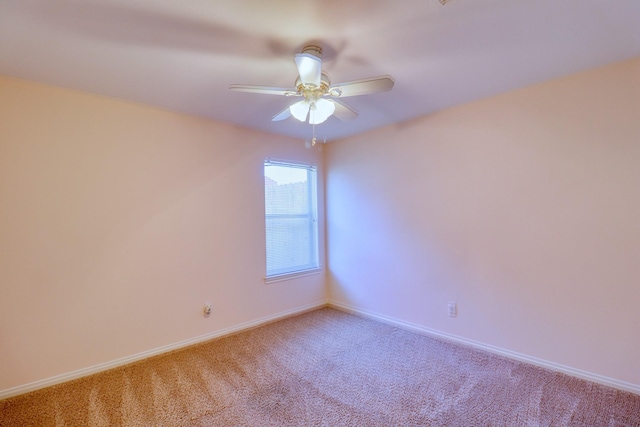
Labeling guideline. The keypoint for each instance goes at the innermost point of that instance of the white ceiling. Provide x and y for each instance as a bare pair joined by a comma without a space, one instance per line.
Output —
183,55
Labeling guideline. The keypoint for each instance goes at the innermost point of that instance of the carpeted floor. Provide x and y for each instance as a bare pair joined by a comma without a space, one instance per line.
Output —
325,368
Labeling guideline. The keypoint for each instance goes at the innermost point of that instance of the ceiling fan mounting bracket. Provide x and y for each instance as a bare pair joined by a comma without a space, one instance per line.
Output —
314,50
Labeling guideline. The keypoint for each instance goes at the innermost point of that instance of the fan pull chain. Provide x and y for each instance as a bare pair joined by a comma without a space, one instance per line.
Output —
313,126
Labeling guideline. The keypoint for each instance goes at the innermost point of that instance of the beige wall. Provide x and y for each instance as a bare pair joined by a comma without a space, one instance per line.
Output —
118,222
524,208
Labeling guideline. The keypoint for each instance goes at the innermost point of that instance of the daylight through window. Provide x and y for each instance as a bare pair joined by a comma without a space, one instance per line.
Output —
290,218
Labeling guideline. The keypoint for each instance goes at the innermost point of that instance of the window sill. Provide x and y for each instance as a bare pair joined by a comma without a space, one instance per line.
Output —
294,275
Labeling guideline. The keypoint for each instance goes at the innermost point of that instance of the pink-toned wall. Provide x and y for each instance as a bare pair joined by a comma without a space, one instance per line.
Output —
523,208
118,222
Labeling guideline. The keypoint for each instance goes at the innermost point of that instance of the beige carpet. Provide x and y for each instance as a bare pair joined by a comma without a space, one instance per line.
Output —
325,368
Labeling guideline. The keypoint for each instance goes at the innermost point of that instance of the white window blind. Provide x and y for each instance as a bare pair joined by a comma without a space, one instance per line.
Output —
290,218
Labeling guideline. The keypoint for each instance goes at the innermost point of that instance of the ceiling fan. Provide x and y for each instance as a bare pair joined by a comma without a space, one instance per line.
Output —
321,99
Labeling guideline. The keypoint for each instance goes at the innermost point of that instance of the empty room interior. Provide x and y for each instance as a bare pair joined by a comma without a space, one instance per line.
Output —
482,189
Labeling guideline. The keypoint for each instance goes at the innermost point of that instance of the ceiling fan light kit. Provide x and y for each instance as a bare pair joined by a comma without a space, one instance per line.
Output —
319,97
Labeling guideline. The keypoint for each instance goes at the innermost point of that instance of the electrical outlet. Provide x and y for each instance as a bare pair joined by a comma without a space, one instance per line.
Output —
207,309
453,309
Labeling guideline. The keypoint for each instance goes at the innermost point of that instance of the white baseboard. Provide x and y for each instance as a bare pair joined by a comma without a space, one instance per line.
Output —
14,391
600,379
611,382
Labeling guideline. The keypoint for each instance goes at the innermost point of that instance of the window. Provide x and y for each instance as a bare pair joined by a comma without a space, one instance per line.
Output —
290,218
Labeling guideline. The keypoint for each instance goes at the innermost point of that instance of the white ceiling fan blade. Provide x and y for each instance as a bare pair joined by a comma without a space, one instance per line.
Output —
362,87
284,114
343,111
267,90
309,68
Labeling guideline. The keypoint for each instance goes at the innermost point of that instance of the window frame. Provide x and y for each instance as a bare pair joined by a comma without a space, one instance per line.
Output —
314,246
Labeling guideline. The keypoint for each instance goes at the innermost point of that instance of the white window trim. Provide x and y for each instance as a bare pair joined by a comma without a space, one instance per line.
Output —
282,162
309,271
293,275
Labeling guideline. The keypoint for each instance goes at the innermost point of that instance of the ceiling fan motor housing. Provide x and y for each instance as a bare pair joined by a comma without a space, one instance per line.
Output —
311,91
